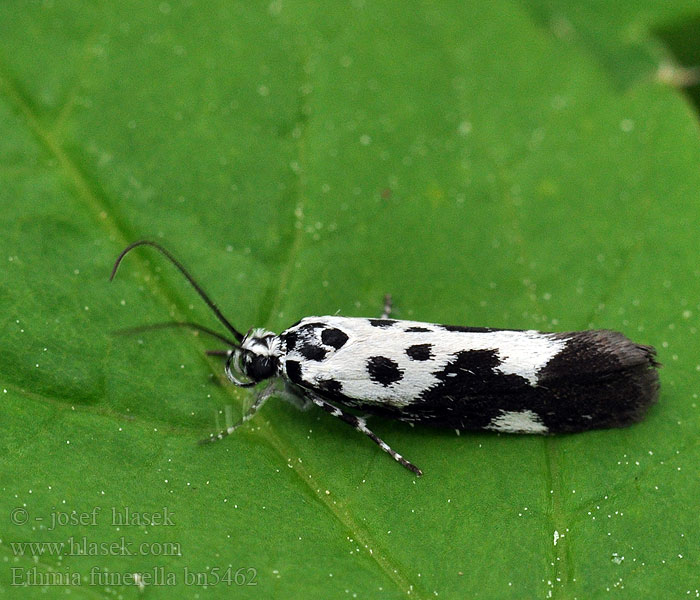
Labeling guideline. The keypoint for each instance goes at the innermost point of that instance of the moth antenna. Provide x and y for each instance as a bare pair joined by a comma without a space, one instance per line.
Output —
189,325
218,352
203,295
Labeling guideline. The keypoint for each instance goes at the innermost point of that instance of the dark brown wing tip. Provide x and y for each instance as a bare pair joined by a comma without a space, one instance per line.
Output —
650,353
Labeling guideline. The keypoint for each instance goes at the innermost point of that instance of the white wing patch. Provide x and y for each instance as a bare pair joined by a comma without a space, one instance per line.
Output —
526,352
522,353
524,421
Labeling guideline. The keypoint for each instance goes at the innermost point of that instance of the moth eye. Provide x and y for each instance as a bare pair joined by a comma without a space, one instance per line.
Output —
260,367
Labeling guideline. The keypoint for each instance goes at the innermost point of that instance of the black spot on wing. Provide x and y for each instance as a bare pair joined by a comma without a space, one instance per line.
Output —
290,340
470,392
293,368
420,351
475,371
471,329
383,370
312,351
314,325
418,330
381,322
334,337
308,330
330,385
295,334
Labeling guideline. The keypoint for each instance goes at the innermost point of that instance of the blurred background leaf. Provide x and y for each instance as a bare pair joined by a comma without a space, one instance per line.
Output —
503,164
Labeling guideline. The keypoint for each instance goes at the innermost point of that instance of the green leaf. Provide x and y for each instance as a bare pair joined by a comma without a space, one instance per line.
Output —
498,164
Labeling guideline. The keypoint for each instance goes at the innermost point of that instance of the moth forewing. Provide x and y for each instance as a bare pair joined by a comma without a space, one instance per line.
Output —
471,378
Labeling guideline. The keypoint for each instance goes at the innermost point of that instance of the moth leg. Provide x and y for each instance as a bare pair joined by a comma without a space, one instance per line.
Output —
295,396
250,413
361,425
388,305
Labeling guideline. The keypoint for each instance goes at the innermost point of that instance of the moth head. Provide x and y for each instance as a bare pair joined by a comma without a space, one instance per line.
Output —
256,359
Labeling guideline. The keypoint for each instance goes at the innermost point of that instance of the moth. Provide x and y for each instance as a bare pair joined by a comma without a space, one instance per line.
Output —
462,378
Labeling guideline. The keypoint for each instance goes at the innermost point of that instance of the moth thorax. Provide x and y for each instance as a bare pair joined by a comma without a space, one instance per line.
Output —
260,355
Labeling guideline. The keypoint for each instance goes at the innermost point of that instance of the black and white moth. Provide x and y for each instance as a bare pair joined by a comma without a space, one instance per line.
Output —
463,378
